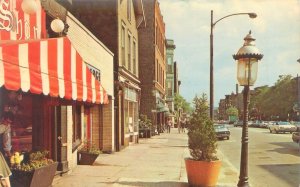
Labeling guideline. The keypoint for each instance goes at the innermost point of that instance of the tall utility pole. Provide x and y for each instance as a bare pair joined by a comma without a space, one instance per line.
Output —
211,82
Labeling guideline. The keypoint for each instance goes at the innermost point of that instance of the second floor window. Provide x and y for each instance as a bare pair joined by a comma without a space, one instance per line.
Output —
123,45
134,57
129,10
157,71
129,52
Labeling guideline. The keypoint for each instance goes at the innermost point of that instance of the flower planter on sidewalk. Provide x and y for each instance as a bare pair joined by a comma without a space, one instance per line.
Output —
39,177
85,158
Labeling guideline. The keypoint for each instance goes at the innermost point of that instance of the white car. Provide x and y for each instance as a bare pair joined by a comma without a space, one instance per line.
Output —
282,126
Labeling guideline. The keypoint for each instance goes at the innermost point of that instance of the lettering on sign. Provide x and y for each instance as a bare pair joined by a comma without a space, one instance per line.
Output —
19,24
95,71
6,16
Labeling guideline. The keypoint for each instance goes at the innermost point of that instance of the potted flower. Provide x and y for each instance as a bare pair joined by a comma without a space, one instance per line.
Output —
204,167
144,126
32,169
88,154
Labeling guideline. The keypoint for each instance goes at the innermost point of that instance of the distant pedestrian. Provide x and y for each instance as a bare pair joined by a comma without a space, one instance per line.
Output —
169,124
183,124
179,125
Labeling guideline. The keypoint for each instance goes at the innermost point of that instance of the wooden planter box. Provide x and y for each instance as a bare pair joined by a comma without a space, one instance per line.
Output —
40,177
85,158
144,133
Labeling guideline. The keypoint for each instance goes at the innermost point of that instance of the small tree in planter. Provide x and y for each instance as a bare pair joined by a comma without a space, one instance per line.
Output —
203,168
36,170
88,154
144,126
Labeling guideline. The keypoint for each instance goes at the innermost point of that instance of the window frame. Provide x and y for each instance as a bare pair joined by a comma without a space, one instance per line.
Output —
76,126
123,44
129,51
134,56
129,3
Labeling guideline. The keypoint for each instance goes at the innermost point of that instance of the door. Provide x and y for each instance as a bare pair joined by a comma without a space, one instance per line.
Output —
59,136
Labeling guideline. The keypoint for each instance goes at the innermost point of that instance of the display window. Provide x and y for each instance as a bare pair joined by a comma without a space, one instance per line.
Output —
76,137
20,105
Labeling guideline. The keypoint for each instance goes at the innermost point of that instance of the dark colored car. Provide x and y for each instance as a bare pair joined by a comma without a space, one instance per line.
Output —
222,131
296,137
297,124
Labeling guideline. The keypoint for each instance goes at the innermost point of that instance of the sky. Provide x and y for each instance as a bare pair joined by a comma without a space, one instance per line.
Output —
276,30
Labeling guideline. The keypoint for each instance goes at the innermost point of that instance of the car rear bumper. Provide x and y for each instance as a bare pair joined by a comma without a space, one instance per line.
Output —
286,130
223,135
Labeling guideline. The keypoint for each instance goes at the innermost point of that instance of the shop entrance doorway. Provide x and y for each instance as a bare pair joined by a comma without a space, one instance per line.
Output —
58,123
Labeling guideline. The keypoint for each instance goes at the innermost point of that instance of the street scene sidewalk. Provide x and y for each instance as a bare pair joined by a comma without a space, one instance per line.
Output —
156,161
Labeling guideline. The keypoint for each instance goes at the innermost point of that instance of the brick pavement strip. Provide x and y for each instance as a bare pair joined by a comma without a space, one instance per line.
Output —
156,161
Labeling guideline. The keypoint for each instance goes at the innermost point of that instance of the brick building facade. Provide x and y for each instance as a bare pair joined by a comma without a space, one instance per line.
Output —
152,56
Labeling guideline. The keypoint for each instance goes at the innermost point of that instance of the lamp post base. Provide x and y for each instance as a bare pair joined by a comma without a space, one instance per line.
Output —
243,183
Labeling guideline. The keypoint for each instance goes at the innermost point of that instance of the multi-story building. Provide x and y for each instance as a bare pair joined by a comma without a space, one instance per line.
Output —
49,82
152,54
170,84
115,23
222,110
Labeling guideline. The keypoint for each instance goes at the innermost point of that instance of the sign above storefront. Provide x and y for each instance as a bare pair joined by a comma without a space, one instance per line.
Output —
95,71
130,94
15,24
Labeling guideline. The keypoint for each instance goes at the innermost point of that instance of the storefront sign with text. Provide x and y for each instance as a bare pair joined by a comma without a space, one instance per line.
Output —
17,25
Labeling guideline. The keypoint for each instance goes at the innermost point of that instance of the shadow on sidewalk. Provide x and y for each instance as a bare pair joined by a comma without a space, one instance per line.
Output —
154,184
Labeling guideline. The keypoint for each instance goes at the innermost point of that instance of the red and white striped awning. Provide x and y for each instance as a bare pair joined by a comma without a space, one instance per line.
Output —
52,67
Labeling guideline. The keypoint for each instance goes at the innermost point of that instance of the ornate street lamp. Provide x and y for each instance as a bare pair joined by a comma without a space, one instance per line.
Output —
211,82
247,58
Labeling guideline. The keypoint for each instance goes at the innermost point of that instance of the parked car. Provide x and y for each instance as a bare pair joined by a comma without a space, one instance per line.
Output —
222,131
296,137
262,124
265,124
270,123
282,126
250,124
238,124
257,123
297,124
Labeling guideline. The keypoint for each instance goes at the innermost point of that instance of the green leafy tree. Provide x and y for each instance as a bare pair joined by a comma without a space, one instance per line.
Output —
232,111
277,100
180,102
202,140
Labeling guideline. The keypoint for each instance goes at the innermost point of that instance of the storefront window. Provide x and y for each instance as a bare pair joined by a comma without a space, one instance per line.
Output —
20,106
130,110
126,128
76,126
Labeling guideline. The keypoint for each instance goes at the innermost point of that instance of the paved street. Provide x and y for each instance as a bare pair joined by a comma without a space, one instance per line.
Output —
158,161
273,158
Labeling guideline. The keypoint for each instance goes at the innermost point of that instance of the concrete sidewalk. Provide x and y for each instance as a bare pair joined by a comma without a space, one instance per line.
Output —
156,161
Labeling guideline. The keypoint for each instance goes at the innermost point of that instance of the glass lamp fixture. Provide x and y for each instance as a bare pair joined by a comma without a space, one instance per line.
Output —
247,59
57,25
29,6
